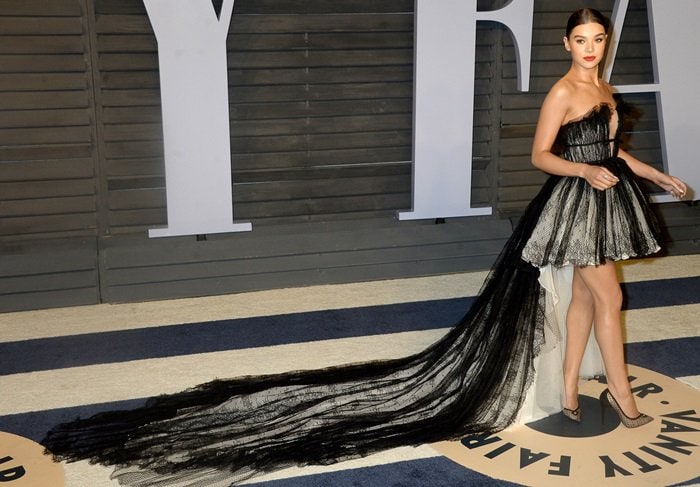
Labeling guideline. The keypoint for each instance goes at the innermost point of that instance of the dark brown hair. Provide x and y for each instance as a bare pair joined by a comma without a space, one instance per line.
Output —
586,16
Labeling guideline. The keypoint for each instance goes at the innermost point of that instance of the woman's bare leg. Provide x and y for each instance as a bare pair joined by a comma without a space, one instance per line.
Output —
604,287
579,319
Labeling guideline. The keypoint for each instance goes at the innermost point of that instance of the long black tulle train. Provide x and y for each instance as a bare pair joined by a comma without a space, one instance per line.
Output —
473,380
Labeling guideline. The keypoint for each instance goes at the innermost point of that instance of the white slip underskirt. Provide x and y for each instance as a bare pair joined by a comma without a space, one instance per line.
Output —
546,393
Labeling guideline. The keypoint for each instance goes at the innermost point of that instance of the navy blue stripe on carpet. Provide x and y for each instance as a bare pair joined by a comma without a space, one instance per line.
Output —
661,292
218,336
673,358
215,336
35,424
433,472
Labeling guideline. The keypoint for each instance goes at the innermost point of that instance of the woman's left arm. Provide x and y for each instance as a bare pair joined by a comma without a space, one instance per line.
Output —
669,183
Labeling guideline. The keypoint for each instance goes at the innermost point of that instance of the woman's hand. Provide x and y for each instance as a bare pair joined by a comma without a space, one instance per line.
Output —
599,177
671,184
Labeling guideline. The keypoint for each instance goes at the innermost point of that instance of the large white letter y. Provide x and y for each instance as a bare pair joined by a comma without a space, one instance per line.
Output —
194,96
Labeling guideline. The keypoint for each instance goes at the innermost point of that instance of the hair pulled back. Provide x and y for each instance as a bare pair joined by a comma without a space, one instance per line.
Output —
586,16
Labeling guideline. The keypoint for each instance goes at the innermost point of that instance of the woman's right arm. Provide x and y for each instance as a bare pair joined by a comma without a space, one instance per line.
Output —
552,116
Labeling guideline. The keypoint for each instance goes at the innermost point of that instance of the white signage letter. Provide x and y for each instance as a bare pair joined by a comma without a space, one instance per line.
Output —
443,113
196,134
675,39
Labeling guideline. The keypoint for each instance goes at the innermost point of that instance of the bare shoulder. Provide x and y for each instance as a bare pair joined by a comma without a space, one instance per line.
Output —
558,99
562,90
608,87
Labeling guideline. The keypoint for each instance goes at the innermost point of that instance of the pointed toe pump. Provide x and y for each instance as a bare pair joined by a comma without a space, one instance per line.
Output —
572,414
608,400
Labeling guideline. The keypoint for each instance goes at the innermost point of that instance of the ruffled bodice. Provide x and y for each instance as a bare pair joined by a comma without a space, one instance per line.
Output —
581,225
588,138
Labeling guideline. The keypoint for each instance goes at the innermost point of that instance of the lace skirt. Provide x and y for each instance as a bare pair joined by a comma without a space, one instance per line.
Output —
580,225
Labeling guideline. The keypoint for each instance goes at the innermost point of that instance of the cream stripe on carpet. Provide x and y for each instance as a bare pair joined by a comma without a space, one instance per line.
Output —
120,381
76,386
109,317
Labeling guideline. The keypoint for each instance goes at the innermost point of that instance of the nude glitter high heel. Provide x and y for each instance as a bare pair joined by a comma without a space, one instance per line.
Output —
607,399
572,414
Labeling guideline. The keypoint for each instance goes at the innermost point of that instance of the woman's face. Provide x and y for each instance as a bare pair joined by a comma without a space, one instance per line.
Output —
586,43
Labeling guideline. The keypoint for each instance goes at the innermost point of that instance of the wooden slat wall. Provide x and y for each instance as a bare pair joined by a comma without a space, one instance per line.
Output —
320,105
320,102
321,99
48,223
518,181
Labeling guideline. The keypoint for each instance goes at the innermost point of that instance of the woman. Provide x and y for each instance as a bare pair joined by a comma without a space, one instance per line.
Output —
480,377
574,101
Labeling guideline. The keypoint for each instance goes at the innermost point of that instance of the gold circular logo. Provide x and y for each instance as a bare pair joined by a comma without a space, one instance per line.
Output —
24,464
600,450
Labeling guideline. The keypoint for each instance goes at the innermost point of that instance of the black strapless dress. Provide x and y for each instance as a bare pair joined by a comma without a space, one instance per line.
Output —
475,379
580,225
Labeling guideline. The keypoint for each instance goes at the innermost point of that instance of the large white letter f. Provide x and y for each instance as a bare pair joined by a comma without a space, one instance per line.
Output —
443,114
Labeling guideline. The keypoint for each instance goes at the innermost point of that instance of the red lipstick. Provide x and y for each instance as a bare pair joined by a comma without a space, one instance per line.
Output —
589,58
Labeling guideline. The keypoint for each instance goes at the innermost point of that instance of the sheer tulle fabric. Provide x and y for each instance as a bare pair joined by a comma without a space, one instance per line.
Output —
580,225
472,380
475,379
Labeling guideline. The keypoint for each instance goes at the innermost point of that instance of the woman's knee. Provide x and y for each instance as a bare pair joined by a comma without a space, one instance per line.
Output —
579,290
610,298
603,288
607,297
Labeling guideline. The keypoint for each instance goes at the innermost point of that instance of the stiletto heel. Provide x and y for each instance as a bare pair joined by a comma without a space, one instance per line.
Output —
604,403
608,400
